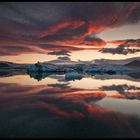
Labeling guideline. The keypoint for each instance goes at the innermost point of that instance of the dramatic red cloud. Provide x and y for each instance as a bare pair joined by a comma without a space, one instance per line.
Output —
116,42
130,42
73,33
78,27
62,26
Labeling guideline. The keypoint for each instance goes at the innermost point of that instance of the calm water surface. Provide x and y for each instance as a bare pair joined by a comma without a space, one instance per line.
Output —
94,106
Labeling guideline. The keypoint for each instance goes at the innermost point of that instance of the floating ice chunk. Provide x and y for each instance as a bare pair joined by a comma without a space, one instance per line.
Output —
73,76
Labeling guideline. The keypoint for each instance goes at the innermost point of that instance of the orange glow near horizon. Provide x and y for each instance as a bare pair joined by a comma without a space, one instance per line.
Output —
85,55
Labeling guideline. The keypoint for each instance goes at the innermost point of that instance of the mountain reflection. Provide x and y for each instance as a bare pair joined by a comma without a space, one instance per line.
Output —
61,108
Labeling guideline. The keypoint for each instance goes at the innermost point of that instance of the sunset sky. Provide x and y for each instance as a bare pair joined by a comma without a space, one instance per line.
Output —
43,31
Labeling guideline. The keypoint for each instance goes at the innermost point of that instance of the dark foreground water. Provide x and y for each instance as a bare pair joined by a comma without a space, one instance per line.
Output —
94,106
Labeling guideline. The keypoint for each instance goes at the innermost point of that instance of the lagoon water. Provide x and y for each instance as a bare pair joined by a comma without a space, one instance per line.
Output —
53,107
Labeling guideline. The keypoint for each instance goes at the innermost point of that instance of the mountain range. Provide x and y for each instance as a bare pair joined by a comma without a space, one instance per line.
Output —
65,61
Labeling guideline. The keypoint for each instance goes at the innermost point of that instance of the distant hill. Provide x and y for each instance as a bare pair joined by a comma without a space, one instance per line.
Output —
118,62
135,63
6,65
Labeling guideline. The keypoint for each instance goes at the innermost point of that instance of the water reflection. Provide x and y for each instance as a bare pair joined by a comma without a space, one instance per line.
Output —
56,107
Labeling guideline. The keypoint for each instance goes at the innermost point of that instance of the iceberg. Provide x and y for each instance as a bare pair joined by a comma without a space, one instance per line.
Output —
40,67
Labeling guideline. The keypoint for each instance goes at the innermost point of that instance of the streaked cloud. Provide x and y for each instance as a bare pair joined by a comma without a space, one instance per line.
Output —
69,25
61,52
126,47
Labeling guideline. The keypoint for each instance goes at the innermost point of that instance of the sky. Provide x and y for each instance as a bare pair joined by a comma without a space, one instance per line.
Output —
43,31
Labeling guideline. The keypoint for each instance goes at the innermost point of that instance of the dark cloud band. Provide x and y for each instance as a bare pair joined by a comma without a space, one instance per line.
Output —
65,24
